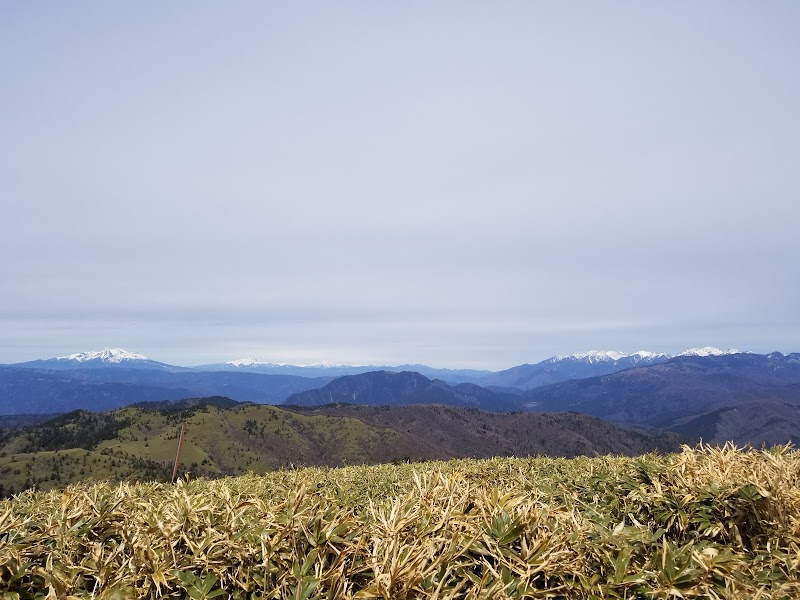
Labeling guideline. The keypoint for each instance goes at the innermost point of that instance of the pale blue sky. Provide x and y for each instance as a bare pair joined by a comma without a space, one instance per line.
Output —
455,183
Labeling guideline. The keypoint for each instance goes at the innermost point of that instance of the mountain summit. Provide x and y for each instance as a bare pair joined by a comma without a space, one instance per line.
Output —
97,359
387,388
709,351
109,355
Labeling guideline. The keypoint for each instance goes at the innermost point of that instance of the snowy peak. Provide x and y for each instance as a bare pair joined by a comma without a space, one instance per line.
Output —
255,362
332,365
576,366
601,356
709,351
108,358
645,355
109,355
591,357
251,362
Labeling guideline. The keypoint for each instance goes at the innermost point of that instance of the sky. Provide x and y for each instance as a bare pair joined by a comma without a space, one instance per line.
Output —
461,184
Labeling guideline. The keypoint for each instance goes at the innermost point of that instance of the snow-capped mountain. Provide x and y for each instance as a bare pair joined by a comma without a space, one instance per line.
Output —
708,351
605,356
109,355
552,370
255,365
252,362
255,362
96,359
574,366
590,357
588,364
709,393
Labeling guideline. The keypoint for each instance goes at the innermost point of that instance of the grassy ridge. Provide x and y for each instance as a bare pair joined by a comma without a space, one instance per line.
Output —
705,523
142,443
139,443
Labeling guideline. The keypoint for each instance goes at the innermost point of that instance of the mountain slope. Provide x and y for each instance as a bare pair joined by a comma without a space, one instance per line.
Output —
243,387
28,390
35,391
384,388
447,432
670,394
754,422
223,440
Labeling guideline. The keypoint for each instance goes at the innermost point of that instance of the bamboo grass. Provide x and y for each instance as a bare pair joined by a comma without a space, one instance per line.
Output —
708,522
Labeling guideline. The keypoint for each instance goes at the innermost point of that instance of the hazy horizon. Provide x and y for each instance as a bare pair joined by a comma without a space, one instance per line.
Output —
455,184
395,364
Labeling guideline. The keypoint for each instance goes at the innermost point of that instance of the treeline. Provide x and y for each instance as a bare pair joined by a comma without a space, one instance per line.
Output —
77,429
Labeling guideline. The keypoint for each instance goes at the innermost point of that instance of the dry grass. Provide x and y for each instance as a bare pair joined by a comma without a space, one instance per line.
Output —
705,523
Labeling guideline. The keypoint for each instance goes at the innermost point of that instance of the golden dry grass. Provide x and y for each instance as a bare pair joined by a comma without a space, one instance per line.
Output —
705,523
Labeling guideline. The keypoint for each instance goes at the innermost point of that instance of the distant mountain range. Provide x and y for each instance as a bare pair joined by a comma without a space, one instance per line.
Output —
253,365
111,358
525,376
694,394
564,368
32,390
703,392
745,398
